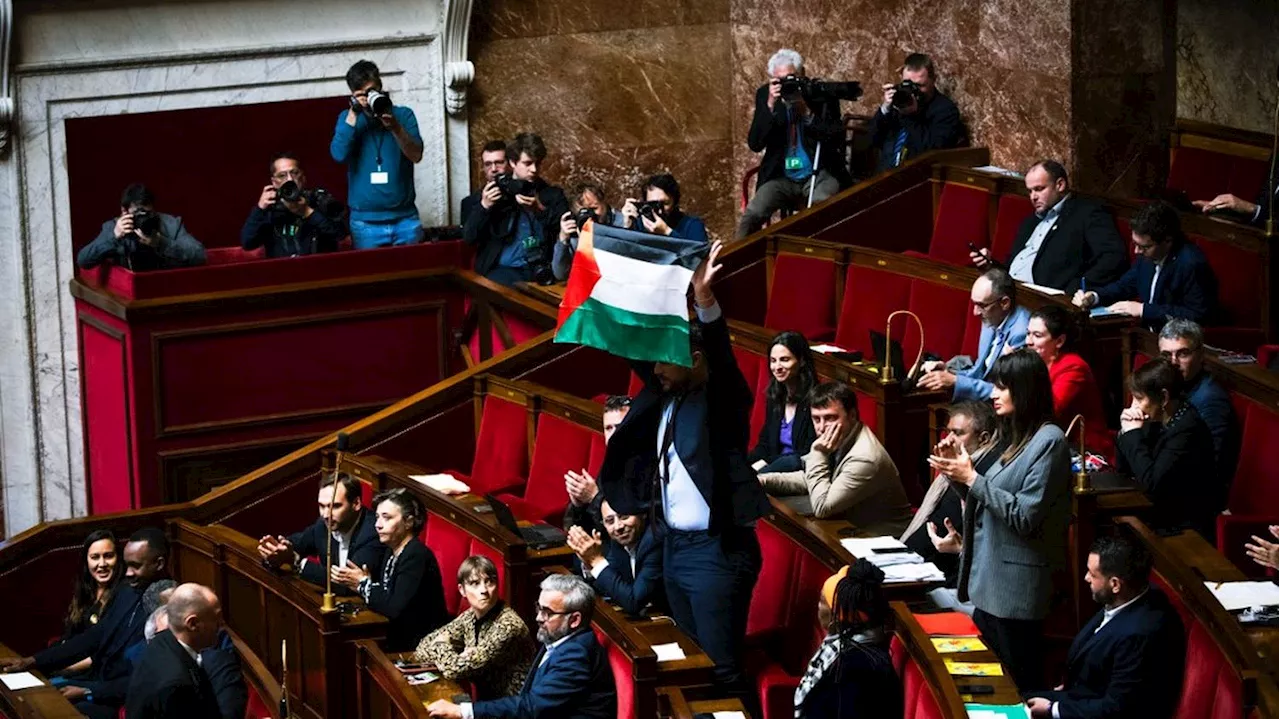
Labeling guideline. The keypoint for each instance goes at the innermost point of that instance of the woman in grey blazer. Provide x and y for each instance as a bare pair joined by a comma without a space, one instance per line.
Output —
1016,516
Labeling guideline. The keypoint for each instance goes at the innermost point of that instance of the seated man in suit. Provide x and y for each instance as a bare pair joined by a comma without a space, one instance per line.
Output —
1182,343
1128,660
220,662
628,569
344,528
170,681
100,691
1004,329
571,677
847,473
584,494
1068,237
1170,277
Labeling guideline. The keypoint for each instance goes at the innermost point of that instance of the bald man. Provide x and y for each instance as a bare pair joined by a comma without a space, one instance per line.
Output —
170,682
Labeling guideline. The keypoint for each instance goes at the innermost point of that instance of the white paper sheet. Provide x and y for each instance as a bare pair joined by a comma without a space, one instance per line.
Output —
924,572
668,652
1242,595
444,483
20,680
1042,289
728,715
862,546
827,349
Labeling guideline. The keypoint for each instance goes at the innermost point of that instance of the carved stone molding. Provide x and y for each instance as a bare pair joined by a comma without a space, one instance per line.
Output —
458,70
6,89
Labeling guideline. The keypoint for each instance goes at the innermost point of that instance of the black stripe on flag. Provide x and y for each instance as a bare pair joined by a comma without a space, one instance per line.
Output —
646,247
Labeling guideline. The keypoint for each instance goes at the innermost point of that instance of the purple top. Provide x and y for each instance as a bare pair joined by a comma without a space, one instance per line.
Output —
784,434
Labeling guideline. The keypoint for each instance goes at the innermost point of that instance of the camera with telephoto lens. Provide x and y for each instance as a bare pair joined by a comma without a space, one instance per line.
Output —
289,192
795,87
582,215
542,273
905,93
379,103
512,186
650,209
146,222
318,199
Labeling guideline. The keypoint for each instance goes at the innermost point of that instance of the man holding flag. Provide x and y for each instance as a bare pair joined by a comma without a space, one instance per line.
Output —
680,455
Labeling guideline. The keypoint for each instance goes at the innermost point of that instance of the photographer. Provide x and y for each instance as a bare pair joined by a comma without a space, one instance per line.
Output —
493,162
518,219
588,203
915,117
141,239
379,143
660,212
793,116
284,219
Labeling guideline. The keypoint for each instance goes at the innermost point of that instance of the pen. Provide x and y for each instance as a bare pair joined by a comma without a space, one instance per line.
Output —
1082,284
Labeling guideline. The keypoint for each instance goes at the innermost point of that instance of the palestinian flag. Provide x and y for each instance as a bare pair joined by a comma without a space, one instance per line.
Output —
627,294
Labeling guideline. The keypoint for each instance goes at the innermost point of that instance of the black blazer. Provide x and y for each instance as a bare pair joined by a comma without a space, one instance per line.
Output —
120,626
413,600
1130,668
1186,288
936,125
222,664
1083,243
769,133
469,204
769,443
1174,464
366,549
633,592
711,430
489,230
168,684
861,684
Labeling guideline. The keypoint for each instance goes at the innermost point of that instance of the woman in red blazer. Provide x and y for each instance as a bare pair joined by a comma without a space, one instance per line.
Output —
1049,333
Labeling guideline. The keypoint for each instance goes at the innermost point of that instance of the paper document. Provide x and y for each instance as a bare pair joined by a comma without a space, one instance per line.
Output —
948,645
973,669
668,652
827,349
728,715
1042,289
1105,312
924,572
443,483
999,170
862,546
1242,595
20,680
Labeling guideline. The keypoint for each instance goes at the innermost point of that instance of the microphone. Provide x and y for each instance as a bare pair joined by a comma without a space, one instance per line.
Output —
1082,476
886,370
344,441
284,679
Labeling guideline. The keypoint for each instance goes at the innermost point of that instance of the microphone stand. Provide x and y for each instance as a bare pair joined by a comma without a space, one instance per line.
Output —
1082,476
327,604
886,368
284,679
813,179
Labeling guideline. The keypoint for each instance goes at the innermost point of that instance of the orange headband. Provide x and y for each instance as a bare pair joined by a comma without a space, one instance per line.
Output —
829,595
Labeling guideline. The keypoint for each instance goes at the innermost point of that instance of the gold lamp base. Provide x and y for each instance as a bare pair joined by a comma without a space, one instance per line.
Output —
327,604
1082,480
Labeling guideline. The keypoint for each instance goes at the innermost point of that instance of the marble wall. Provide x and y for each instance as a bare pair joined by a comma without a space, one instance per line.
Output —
1227,62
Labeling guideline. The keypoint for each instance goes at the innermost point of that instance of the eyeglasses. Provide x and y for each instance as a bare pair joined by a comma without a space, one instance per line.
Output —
540,612
984,306
286,174
1181,354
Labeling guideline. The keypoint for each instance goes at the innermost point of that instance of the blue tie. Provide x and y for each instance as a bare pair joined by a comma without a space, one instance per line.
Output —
899,143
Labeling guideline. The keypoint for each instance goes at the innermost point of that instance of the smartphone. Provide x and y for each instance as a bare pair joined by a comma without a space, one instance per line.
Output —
977,689
411,668
482,509
890,550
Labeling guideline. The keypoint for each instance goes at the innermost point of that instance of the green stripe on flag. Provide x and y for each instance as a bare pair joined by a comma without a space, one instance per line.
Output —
631,335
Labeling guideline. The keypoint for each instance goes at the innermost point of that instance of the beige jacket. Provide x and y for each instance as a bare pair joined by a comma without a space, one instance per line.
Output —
863,487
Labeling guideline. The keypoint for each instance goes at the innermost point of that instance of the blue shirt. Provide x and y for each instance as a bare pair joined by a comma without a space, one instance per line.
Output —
1020,266
514,254
360,149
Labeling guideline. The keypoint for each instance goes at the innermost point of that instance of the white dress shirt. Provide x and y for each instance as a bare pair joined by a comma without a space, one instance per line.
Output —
682,503
1021,265
344,548
195,656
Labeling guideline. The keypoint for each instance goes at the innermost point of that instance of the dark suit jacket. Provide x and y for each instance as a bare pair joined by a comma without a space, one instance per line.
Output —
936,125
177,248
489,230
170,685
1214,405
222,664
1186,288
861,684
769,133
120,627
414,599
1174,465
633,592
365,550
769,443
710,435
1131,668
575,682
470,203
1083,243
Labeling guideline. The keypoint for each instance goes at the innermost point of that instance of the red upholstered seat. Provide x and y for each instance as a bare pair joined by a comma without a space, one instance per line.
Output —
961,219
1204,174
634,385
559,446
1254,495
869,297
232,255
502,455
1266,354
1240,285
1011,210
918,699
1210,686
759,408
623,678
596,457
803,296
451,544
942,311
520,329
256,708
782,627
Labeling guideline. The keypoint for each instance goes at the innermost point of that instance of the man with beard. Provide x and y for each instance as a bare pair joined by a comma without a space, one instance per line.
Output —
628,569
100,692
1128,660
570,678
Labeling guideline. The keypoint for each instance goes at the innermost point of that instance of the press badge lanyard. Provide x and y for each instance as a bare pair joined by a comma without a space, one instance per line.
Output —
796,140
379,177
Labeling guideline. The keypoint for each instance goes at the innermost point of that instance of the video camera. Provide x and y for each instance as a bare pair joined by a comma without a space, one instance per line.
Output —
318,199
905,93
795,87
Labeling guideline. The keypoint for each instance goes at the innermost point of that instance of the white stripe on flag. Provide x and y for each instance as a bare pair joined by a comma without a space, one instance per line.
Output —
641,287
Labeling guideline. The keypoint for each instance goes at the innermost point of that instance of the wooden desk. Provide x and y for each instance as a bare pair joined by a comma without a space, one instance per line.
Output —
949,690
674,703
382,691
264,607
35,703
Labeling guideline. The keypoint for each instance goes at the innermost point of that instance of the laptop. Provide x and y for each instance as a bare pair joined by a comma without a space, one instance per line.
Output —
539,536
